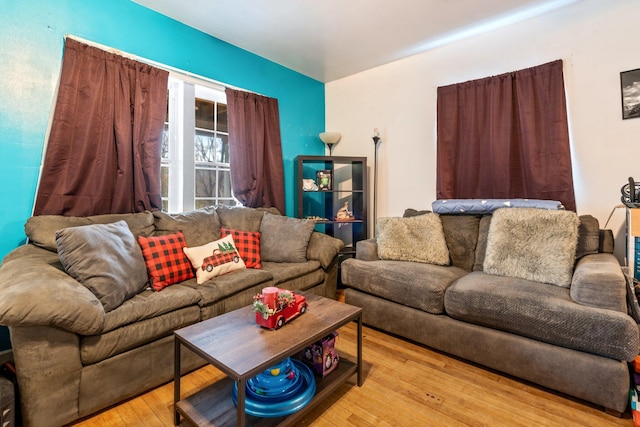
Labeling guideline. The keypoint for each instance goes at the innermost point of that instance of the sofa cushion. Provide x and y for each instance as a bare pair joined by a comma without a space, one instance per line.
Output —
284,271
413,284
149,303
214,259
461,234
41,230
410,212
96,348
418,238
542,312
221,287
588,236
532,244
481,247
242,218
285,239
248,245
166,262
199,226
105,258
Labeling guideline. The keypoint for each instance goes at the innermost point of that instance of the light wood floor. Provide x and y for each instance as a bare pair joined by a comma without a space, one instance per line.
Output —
405,385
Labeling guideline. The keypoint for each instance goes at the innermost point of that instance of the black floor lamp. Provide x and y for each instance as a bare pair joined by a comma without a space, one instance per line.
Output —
376,140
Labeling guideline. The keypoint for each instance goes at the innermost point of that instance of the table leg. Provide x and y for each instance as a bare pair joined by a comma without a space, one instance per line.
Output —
176,380
242,389
360,379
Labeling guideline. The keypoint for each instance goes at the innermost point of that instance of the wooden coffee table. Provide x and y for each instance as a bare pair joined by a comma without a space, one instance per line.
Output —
236,345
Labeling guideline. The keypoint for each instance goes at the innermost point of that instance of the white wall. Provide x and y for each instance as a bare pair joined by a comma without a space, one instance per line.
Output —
596,39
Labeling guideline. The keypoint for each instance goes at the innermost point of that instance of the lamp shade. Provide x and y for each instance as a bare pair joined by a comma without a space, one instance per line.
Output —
330,138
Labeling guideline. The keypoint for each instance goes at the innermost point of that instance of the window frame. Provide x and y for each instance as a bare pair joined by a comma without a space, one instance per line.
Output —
181,131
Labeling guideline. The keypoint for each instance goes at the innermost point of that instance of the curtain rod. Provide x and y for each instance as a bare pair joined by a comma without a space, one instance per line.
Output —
184,75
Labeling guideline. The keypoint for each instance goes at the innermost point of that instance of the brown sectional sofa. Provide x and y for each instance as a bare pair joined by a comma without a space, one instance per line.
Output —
73,358
576,339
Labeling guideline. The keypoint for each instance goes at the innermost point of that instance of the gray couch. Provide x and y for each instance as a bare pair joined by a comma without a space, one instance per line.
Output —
74,358
576,338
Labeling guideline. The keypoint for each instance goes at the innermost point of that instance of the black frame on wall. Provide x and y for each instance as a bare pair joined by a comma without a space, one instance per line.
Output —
630,93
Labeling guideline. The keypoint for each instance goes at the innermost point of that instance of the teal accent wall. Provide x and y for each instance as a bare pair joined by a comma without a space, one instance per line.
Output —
31,47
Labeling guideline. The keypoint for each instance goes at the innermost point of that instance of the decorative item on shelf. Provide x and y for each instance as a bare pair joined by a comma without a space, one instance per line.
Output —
376,141
330,139
316,218
324,179
322,355
309,185
274,307
344,214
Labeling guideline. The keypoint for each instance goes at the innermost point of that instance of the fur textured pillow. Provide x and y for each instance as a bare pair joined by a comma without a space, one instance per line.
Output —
419,238
532,244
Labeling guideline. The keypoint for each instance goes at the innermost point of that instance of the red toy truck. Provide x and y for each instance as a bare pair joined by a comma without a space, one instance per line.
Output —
274,307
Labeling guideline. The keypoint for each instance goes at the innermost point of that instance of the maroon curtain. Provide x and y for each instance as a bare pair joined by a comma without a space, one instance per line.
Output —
506,137
103,154
255,149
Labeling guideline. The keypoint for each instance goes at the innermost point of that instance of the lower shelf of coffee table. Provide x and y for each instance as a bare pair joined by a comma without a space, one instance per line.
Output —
213,406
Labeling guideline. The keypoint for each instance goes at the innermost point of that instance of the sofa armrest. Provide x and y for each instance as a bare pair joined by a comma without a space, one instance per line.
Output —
598,282
323,248
35,291
367,250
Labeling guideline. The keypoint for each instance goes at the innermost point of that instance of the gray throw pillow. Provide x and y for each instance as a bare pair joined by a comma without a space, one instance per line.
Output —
106,259
284,239
532,244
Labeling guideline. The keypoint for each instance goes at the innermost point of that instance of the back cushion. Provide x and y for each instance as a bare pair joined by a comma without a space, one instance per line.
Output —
461,233
242,218
481,247
588,236
199,226
41,229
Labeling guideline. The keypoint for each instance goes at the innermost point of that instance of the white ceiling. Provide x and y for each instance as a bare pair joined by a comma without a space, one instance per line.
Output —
331,39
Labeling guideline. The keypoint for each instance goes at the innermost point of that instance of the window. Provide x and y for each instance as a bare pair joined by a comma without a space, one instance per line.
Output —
195,148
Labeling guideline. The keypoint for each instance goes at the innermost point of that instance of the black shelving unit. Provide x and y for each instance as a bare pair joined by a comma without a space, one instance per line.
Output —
348,185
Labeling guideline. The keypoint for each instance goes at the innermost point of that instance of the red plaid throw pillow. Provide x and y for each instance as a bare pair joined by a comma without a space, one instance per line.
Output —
166,261
248,245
